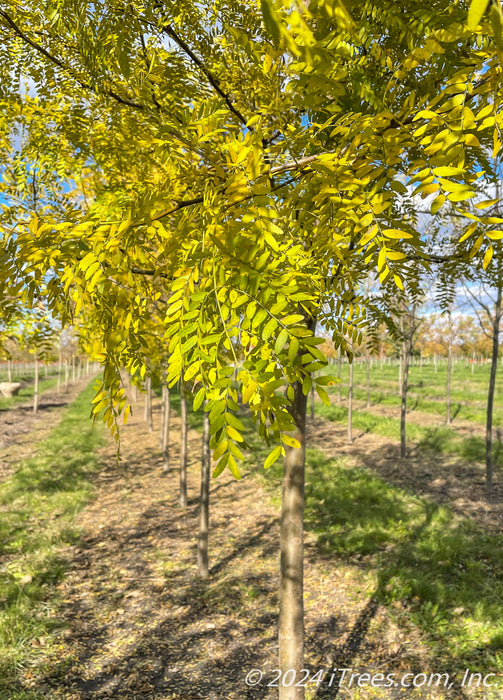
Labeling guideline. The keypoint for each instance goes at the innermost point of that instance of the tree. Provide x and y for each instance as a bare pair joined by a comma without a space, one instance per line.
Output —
243,166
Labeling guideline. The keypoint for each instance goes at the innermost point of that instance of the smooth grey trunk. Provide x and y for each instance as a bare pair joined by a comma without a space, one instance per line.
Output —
490,393
448,417
407,348
183,448
148,404
312,403
166,425
163,412
59,371
350,404
204,502
35,390
291,593
367,357
339,377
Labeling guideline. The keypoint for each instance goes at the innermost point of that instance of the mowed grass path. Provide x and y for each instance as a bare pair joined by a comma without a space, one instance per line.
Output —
427,389
37,506
427,395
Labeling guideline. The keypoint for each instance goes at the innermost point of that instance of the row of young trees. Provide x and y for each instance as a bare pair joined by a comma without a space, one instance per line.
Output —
204,183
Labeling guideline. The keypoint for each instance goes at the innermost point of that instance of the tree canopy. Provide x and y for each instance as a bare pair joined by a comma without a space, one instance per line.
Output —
222,173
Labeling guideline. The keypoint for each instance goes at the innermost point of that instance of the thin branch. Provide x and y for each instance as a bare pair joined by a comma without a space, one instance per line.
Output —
110,93
60,64
168,29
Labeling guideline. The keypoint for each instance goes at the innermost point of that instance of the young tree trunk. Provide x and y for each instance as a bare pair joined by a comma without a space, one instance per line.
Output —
407,348
339,377
183,447
312,403
350,404
367,357
204,502
67,375
9,371
291,593
163,412
490,393
59,372
148,404
448,384
35,390
166,425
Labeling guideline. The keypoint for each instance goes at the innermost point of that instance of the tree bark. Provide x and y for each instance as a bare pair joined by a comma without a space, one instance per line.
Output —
490,393
368,376
183,447
350,404
148,404
339,377
35,390
9,371
166,425
291,594
448,418
407,348
204,502
59,372
312,403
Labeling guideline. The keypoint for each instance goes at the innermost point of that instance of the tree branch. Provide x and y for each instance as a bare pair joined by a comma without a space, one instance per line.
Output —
214,82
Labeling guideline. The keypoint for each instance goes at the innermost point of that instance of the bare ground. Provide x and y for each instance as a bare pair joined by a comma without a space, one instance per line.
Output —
138,623
21,430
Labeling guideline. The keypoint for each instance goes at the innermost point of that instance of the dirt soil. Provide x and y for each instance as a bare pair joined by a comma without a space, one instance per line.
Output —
139,623
21,430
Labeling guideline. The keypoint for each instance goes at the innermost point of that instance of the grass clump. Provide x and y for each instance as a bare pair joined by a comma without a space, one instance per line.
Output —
446,571
38,504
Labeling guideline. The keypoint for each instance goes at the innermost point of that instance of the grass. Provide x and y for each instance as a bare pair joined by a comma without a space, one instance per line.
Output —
437,439
446,571
426,389
26,391
38,504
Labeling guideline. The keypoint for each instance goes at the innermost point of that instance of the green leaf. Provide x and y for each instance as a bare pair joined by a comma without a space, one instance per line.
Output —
272,457
270,21
477,9
281,341
198,399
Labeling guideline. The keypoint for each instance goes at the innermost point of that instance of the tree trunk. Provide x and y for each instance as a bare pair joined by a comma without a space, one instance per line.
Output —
9,371
166,425
73,369
339,377
204,502
407,348
59,372
183,447
291,594
67,375
148,404
448,385
350,404
312,403
490,393
368,378
35,391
